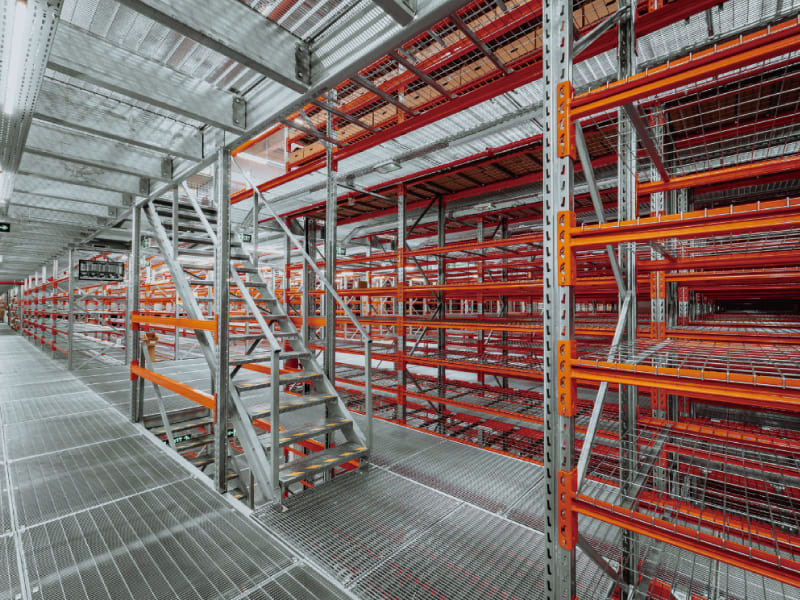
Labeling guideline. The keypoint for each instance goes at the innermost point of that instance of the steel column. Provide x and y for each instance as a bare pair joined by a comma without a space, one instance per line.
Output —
441,279
402,228
308,306
132,349
331,216
71,310
175,242
222,193
626,209
559,429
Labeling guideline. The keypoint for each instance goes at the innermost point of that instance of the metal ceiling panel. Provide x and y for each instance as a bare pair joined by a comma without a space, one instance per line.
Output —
39,186
89,58
59,142
29,58
233,30
98,114
72,172
69,206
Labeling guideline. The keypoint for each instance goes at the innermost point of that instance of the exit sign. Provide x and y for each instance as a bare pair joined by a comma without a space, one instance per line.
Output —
5,227
246,237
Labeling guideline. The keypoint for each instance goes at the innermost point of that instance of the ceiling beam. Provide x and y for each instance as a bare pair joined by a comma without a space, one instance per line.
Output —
87,208
41,18
46,139
81,55
397,9
82,110
39,186
76,173
233,30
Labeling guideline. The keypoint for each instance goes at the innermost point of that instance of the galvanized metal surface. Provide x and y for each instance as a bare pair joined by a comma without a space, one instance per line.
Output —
96,510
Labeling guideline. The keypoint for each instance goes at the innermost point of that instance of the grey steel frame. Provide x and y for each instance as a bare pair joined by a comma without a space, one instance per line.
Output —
559,431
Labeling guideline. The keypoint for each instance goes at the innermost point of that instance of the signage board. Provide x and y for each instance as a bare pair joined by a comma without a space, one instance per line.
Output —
97,270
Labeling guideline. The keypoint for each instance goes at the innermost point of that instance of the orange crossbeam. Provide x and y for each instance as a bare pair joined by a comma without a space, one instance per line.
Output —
183,323
732,553
728,388
195,395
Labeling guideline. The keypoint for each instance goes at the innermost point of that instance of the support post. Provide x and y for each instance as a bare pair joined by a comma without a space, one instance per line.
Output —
627,210
559,425
222,192
308,303
175,242
504,303
441,280
71,310
132,348
402,227
331,217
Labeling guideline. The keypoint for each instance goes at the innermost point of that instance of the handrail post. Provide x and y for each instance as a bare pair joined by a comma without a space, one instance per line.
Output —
368,389
274,424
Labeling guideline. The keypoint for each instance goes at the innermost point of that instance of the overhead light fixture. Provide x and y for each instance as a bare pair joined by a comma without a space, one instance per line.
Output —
387,167
19,40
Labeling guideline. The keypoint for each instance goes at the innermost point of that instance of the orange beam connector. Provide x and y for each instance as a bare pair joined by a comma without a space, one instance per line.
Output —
195,395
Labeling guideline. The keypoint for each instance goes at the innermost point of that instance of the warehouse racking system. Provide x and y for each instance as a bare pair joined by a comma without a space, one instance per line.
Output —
455,244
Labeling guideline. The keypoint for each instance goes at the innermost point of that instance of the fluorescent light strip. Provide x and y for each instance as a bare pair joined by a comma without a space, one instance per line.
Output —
19,40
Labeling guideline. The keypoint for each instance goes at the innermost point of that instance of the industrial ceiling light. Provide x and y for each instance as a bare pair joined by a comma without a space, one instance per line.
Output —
387,167
19,39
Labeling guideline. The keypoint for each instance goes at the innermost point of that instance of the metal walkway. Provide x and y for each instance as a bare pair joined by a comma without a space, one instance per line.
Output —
99,510
91,507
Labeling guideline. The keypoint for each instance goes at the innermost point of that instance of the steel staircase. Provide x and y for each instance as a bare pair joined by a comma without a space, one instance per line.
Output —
261,345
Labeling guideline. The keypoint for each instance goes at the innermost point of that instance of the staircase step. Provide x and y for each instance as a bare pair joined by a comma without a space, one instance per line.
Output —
201,282
195,266
255,336
185,205
246,269
261,357
267,317
194,442
195,239
196,225
182,252
183,425
201,461
305,467
307,431
285,379
288,404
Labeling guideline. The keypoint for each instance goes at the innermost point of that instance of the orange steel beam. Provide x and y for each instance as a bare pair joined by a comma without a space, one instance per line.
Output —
196,324
754,391
713,547
735,335
757,441
721,521
782,214
193,394
767,43
723,175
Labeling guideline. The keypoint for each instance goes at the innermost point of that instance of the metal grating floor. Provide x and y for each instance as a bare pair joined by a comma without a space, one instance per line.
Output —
358,520
51,435
298,582
91,506
9,573
165,543
429,519
60,483
34,409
